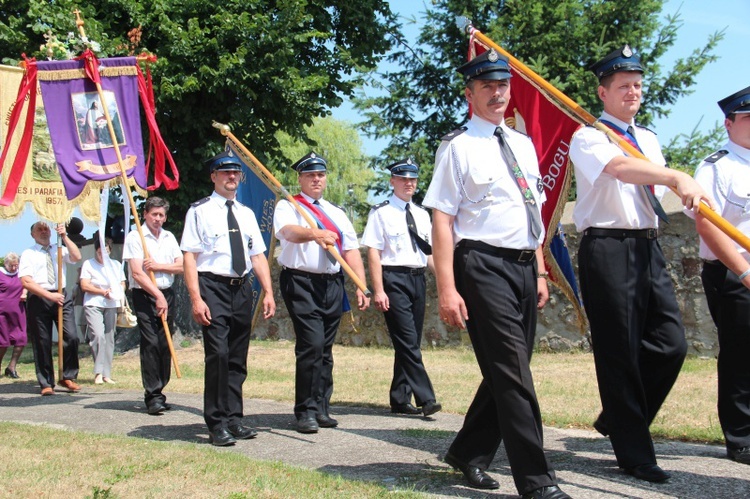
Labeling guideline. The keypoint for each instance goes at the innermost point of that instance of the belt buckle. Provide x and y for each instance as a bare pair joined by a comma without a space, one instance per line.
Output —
651,233
525,256
236,281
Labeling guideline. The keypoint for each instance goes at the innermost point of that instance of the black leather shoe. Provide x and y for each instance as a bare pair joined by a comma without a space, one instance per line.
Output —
156,409
167,407
326,421
601,427
307,425
221,438
740,455
242,432
476,477
405,409
431,408
649,473
11,374
550,492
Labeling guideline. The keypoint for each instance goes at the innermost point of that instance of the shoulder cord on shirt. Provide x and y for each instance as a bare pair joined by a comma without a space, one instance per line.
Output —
461,180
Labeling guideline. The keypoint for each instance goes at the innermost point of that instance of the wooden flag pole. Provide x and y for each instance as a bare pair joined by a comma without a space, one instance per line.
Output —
60,335
262,170
133,209
584,117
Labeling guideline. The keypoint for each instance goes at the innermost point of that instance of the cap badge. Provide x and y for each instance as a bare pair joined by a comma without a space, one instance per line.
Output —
492,56
408,161
312,155
626,51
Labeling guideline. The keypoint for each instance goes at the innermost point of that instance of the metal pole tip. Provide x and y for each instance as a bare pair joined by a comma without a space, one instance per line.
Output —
463,23
224,129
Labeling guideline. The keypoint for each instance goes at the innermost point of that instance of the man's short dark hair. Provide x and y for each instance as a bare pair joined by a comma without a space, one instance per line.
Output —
731,117
155,202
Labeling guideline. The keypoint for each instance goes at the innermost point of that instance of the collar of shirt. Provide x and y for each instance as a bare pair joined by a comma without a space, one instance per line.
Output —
312,200
486,128
222,201
39,247
398,202
740,151
5,271
622,124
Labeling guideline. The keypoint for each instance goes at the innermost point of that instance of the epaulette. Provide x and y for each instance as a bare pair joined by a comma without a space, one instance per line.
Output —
337,206
647,129
200,201
378,206
716,156
419,206
453,134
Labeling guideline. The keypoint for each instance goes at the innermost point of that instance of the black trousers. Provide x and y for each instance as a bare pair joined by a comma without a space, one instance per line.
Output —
500,295
637,337
729,303
225,341
404,318
315,307
41,317
156,367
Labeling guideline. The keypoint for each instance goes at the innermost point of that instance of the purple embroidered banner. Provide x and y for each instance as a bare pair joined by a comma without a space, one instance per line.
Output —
83,146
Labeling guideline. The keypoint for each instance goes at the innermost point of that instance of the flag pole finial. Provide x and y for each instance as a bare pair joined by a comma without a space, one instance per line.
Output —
224,129
463,23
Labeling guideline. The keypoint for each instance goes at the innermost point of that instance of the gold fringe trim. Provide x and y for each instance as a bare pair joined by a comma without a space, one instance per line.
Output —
78,74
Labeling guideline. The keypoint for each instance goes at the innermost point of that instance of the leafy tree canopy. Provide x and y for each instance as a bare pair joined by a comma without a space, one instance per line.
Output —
261,66
422,100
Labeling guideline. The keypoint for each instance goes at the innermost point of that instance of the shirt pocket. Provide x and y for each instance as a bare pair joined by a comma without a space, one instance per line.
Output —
739,193
214,236
478,183
397,235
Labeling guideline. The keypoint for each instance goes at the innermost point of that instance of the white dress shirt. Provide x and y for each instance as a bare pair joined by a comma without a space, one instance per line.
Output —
471,181
603,201
310,256
387,231
161,249
33,263
728,182
206,233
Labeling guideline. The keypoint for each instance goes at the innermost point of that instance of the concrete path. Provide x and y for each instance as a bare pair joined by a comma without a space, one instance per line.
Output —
372,444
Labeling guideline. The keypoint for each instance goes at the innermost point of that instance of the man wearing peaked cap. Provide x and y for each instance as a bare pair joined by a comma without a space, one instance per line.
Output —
223,249
636,328
312,285
397,235
486,238
725,174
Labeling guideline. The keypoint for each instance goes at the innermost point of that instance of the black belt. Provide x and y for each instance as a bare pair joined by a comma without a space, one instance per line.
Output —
522,256
622,233
404,270
313,275
232,281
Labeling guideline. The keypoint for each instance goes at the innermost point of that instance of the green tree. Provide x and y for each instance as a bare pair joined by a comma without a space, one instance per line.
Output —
349,177
422,100
259,65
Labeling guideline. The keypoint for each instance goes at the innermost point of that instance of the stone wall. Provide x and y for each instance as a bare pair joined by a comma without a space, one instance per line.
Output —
558,329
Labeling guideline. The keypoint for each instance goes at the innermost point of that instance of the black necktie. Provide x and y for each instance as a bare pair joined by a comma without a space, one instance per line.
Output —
235,242
415,239
649,189
535,221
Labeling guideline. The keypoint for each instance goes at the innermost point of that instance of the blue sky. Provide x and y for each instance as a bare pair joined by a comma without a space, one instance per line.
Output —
724,77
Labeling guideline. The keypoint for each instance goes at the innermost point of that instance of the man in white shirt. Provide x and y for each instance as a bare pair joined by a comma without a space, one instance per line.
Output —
152,300
636,328
312,285
39,272
486,194
726,271
224,252
398,235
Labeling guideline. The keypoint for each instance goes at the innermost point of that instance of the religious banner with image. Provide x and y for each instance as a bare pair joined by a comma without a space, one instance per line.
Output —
40,183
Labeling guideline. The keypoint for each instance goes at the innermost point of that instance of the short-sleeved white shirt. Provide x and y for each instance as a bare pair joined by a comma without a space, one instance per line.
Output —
206,233
310,256
161,249
727,181
110,278
471,181
387,231
602,200
33,263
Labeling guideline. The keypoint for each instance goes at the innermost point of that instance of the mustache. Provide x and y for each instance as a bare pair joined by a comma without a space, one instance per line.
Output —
497,100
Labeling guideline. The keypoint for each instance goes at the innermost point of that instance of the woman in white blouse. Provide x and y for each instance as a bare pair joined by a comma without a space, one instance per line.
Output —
103,284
